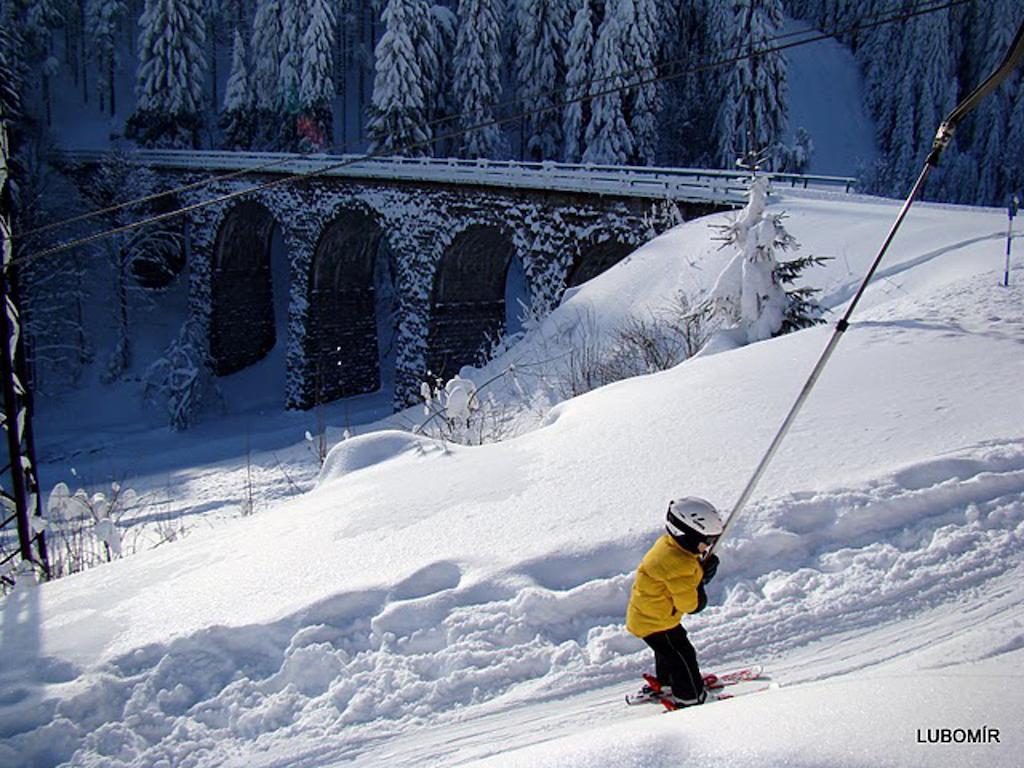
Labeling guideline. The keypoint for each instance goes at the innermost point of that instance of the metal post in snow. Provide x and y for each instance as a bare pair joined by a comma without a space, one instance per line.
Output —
1011,212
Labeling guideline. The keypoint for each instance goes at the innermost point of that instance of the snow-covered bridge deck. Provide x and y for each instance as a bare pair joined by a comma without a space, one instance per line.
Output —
699,185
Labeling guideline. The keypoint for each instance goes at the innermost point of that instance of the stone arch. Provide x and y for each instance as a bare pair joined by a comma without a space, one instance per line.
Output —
165,259
596,256
468,299
242,323
351,262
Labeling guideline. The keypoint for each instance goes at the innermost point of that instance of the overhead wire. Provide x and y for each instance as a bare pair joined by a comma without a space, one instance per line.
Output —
885,17
901,15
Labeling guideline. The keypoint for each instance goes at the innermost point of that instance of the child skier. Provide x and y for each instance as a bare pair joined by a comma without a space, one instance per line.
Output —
670,583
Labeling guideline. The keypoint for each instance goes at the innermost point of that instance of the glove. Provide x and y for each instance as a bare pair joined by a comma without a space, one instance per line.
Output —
702,599
710,567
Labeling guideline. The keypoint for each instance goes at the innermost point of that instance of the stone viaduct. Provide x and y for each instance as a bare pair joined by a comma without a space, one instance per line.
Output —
445,235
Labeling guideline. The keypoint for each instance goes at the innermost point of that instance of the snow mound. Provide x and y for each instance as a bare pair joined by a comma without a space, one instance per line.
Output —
372,450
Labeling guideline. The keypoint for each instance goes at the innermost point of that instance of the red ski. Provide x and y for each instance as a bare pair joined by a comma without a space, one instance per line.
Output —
714,682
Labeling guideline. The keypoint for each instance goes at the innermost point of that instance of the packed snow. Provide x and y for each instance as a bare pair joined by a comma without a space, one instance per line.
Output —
429,603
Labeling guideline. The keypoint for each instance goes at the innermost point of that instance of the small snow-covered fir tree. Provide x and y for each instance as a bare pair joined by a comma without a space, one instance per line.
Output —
609,137
477,81
398,123
171,74
577,79
238,119
181,380
541,28
749,300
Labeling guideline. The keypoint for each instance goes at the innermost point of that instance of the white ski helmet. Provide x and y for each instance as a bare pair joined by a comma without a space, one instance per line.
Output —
693,520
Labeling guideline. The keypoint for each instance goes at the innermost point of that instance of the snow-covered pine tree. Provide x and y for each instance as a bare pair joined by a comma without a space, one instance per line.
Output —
440,32
316,93
103,19
215,13
541,28
10,94
432,38
609,138
294,20
643,101
795,159
993,25
705,32
238,118
477,81
181,380
30,42
52,290
749,301
752,115
398,122
877,56
577,79
171,74
266,58
924,93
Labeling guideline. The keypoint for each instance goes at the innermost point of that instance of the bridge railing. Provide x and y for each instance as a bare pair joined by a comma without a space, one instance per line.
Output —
681,184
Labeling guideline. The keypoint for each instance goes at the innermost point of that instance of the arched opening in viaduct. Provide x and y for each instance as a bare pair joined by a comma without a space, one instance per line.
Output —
242,323
352,310
594,258
468,303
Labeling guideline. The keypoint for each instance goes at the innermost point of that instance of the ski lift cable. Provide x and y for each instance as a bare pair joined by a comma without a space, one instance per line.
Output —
868,22
349,161
1013,58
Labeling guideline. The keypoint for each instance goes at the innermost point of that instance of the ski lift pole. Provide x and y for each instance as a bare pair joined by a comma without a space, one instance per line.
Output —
942,138
1011,212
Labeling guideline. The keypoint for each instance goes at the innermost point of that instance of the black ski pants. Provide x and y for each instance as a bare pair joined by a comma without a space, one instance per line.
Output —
675,664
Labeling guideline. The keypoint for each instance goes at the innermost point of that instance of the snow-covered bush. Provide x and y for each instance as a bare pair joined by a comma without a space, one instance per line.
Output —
84,530
181,380
457,412
655,342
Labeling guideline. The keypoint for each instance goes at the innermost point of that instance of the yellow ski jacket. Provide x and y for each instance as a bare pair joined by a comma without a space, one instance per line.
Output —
665,588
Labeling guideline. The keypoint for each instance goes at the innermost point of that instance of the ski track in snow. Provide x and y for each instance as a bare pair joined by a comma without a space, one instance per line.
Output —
330,684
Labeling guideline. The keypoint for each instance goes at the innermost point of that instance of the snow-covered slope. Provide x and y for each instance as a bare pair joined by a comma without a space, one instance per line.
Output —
432,604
